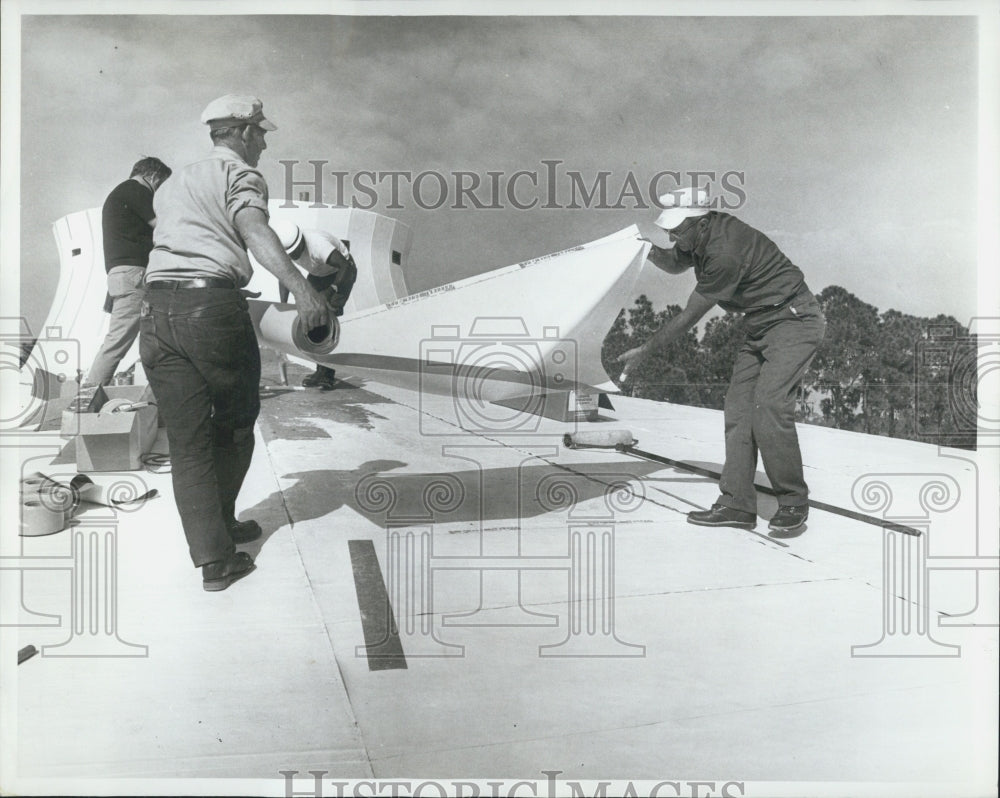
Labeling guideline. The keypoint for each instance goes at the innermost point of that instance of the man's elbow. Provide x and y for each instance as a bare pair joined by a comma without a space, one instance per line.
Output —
666,260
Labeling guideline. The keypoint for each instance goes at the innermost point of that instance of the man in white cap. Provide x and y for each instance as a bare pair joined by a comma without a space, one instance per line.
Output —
198,344
743,271
329,268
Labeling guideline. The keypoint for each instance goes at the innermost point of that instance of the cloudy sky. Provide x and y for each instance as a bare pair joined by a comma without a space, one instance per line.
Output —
856,137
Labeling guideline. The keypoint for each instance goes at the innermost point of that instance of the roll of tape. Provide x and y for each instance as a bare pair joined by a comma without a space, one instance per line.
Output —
51,494
115,405
58,497
38,519
33,481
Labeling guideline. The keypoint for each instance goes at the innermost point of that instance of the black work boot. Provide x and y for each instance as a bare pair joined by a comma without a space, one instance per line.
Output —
244,531
720,515
324,378
221,574
789,518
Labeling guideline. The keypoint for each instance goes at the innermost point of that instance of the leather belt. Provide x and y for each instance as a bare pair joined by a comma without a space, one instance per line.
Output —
779,306
197,282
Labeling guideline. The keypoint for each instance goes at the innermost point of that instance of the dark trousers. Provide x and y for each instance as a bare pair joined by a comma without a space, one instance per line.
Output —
760,404
200,352
343,279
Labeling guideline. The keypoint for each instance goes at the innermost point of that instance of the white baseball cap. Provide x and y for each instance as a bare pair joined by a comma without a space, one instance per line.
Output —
288,234
681,204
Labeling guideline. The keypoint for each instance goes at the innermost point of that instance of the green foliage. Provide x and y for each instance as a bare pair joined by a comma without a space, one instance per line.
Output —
881,373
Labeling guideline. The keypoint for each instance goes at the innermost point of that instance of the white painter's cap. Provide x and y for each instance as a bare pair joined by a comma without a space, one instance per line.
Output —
288,233
234,110
681,204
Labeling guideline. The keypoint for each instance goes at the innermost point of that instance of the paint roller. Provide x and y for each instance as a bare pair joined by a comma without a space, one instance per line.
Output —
621,440
617,439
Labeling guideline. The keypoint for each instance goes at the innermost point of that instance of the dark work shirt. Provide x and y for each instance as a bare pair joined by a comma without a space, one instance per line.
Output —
125,218
738,267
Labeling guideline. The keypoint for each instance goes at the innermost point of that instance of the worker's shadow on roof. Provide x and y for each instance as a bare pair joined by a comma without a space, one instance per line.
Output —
381,493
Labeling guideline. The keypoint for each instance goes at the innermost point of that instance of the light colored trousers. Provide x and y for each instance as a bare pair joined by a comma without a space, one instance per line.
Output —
125,289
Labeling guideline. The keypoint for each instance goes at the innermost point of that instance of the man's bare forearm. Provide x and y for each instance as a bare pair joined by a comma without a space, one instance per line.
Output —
671,261
674,327
671,329
267,249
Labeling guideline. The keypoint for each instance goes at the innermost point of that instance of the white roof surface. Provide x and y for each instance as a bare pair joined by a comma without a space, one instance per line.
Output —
724,656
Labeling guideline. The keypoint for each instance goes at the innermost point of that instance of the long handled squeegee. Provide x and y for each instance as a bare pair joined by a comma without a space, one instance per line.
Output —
621,440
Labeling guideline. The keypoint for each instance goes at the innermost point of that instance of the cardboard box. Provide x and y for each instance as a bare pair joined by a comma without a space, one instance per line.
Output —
84,401
115,437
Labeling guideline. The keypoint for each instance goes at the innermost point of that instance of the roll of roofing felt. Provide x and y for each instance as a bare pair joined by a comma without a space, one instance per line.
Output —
282,329
40,518
318,341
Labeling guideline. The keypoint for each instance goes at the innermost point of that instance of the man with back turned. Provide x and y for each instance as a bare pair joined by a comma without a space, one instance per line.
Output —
198,344
127,223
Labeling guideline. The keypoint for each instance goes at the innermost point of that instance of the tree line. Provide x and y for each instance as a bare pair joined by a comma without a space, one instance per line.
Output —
881,373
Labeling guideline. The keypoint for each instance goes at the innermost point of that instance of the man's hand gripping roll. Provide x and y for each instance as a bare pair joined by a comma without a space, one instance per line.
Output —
266,248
